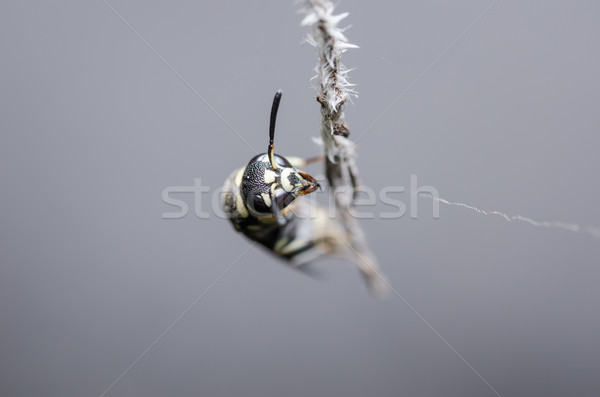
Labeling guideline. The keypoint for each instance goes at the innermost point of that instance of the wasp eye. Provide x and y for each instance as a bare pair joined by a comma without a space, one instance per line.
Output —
258,204
280,160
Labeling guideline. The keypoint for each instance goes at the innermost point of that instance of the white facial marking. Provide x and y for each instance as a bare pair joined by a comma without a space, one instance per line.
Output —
273,188
285,182
266,199
270,176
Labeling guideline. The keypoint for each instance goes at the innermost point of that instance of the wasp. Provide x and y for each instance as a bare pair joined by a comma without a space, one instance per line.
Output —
263,200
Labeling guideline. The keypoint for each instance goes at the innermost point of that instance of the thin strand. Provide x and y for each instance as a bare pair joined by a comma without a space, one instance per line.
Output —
572,227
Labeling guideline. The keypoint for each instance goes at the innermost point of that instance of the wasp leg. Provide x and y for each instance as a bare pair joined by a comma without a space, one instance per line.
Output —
300,253
299,162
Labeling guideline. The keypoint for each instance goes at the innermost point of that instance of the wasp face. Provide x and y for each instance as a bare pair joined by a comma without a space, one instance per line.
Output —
267,189
270,183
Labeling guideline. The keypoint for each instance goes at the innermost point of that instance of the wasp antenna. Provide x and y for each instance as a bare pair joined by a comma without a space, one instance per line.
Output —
274,109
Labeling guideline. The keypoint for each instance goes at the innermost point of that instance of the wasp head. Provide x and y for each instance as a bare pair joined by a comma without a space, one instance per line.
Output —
264,187
270,183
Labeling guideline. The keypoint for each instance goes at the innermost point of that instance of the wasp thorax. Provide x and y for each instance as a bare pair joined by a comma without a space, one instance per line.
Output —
266,189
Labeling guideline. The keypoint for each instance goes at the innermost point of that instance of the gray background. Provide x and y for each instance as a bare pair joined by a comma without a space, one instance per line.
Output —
94,126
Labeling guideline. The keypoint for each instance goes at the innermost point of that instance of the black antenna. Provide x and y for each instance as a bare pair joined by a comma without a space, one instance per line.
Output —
274,109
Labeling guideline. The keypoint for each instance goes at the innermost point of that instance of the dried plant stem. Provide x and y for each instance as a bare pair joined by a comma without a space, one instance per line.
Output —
333,91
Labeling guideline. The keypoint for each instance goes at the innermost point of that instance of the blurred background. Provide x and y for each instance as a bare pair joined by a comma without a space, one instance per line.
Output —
94,125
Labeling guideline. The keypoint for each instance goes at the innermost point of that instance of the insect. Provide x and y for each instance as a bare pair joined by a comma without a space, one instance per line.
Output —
263,200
